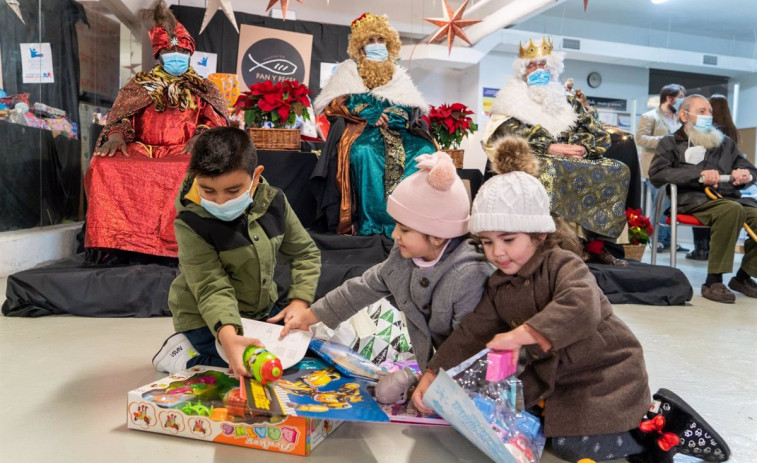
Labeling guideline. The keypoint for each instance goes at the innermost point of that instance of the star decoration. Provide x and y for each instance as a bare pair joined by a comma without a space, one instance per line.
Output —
452,25
16,9
284,4
212,8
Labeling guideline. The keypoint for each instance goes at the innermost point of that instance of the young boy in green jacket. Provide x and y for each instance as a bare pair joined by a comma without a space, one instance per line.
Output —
230,227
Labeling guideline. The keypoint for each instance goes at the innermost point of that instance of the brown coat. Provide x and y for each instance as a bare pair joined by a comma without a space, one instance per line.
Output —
594,380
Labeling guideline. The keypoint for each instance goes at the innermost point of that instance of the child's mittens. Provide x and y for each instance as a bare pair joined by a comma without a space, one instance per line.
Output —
394,387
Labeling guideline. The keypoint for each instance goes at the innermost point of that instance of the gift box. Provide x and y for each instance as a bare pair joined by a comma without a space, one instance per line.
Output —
200,403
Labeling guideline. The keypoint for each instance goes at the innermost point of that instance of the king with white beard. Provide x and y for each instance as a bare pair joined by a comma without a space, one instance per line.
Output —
584,188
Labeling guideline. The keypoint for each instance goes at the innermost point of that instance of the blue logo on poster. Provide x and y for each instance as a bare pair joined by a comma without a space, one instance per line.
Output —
203,61
35,53
272,59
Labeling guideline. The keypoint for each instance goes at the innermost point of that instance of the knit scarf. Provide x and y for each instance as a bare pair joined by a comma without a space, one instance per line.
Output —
169,90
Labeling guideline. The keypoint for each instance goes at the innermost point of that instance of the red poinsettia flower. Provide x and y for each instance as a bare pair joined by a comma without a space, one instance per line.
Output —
277,103
639,227
450,123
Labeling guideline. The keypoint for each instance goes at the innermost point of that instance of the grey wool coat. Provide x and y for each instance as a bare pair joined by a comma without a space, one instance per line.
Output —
593,380
434,300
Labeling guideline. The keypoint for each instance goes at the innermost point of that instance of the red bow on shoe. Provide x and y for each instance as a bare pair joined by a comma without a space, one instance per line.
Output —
666,440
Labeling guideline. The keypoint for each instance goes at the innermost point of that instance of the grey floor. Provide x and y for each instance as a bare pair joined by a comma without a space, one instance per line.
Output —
64,383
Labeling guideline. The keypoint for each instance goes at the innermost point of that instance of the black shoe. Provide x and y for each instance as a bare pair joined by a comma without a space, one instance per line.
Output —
698,254
696,437
747,288
680,248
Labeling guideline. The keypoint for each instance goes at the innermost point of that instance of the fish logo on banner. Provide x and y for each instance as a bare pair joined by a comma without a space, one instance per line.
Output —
274,60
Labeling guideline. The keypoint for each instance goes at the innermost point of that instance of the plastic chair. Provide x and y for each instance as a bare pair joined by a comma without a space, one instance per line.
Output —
674,219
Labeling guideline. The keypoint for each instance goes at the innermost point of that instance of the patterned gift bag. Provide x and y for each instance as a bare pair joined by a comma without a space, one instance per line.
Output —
378,333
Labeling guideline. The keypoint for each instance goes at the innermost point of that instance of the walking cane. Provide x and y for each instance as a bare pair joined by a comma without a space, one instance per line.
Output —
712,194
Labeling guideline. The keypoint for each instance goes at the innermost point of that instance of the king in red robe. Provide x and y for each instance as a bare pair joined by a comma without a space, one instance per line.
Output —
142,154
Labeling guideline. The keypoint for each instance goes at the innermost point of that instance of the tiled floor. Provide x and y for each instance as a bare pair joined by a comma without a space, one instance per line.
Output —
64,382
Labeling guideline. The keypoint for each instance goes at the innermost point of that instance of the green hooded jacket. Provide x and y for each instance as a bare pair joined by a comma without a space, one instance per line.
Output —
226,268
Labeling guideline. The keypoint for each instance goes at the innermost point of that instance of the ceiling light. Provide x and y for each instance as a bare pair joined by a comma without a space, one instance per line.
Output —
658,1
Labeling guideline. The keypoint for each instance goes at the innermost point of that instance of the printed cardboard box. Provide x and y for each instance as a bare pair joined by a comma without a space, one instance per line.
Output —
194,404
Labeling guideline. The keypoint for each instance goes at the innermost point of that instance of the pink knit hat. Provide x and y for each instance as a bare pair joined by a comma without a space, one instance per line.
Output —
433,200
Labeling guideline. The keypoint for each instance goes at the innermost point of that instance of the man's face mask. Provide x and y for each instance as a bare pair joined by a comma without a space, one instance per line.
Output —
538,77
703,123
376,52
229,210
677,103
175,63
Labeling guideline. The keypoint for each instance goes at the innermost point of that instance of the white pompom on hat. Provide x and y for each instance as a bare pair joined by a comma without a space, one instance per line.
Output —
433,200
515,202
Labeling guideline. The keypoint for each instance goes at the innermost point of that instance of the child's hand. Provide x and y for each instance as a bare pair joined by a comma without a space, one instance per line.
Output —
423,385
297,316
234,345
521,336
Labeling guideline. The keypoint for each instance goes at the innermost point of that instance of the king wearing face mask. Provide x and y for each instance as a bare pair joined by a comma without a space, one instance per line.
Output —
156,115
585,189
697,156
376,131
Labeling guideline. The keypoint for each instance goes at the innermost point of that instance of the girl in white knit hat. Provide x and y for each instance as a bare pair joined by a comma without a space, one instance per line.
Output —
434,272
584,369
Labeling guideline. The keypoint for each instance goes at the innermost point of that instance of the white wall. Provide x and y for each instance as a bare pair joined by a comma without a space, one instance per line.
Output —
747,110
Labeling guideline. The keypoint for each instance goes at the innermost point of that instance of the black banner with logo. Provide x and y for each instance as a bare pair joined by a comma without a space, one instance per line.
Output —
329,41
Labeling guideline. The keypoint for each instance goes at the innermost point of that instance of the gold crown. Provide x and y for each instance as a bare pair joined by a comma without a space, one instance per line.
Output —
364,18
532,51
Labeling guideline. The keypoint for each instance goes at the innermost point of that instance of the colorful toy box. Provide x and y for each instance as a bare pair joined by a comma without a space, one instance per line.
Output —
198,404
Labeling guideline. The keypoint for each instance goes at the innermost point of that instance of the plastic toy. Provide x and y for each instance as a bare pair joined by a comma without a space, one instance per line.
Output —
264,366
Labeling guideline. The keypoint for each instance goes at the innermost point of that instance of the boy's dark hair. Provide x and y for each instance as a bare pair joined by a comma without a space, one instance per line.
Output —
671,90
221,150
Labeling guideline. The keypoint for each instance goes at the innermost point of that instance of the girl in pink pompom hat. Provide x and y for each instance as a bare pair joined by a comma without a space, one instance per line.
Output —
435,273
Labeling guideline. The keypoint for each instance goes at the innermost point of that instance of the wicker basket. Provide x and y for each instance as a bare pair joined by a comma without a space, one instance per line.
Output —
634,251
457,157
275,139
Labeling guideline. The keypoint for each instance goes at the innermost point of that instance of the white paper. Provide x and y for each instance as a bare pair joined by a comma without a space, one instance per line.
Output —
290,350
204,63
37,63
327,69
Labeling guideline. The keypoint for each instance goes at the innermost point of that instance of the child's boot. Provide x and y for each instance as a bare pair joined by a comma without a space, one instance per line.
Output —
675,427
174,354
394,387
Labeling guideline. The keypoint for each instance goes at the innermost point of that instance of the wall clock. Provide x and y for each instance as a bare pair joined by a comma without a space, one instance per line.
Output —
594,79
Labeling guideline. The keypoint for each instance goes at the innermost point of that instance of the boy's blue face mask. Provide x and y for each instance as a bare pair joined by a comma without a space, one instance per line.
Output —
229,210
538,77
376,52
175,63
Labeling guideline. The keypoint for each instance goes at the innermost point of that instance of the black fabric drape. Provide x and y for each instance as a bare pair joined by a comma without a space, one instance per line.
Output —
40,177
47,21
329,40
623,149
290,171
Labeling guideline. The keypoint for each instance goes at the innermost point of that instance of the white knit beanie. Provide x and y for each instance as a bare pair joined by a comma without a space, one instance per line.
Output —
515,202
433,200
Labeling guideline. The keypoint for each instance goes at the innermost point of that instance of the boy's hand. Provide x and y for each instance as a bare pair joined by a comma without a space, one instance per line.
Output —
296,316
234,345
420,389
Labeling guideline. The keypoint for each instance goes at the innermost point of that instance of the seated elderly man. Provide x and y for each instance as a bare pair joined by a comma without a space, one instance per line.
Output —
584,188
694,157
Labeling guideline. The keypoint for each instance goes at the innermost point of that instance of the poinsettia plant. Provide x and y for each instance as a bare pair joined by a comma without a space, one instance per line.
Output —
276,105
639,227
449,124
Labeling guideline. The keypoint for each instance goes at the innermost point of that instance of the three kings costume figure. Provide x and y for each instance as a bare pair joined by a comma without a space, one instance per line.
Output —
586,189
376,131
141,156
